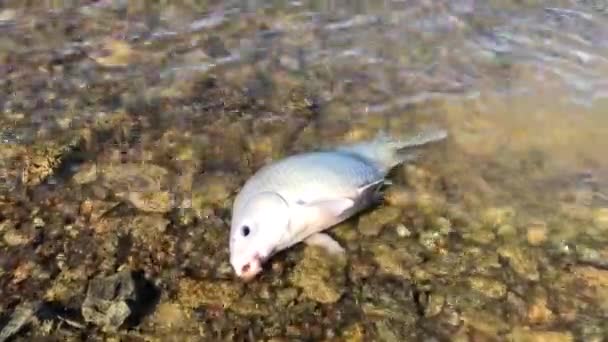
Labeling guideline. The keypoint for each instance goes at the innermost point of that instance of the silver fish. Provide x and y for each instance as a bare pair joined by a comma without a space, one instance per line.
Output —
295,199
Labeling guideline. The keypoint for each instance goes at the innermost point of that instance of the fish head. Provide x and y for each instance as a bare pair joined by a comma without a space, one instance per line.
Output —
256,231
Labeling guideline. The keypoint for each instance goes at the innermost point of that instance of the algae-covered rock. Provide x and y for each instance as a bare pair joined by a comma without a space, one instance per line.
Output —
521,261
218,293
371,224
320,275
488,287
396,261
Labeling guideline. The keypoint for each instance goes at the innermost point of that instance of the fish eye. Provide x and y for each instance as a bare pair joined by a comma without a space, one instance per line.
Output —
245,230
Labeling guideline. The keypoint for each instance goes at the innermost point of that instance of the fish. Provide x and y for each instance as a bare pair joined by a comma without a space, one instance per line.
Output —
297,198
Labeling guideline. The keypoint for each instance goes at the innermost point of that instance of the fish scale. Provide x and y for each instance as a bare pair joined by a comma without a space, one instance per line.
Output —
317,174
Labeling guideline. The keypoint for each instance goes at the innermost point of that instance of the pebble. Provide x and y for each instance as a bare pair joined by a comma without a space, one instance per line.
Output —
402,230
537,233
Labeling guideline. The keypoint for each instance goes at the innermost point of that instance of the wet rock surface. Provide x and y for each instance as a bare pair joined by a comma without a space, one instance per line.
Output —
111,300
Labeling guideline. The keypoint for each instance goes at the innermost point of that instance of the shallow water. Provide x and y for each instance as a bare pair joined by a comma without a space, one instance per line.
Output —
127,128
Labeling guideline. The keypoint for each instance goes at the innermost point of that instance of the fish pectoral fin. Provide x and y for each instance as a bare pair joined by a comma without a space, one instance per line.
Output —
326,242
330,208
373,187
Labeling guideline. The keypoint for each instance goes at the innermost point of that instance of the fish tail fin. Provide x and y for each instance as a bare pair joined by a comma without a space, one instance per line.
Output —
388,152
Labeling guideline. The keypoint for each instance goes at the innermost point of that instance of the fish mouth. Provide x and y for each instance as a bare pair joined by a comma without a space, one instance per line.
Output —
250,270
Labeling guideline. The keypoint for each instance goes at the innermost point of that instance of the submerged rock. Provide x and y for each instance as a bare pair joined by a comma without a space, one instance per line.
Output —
144,185
106,304
320,275
22,315
371,224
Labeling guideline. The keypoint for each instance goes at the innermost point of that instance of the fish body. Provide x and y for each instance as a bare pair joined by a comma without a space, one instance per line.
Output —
296,198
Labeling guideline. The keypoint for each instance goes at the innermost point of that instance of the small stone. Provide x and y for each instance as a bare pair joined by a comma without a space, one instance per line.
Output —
522,334
150,201
86,174
23,271
522,262
400,197
600,218
593,276
141,184
539,312
354,333
371,224
593,256
435,304
537,233
489,287
485,322
320,275
360,269
115,53
480,235
443,225
506,231
495,217
402,230
429,204
14,237
8,14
